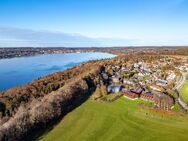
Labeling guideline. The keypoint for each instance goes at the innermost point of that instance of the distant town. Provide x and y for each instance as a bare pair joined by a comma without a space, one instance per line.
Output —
31,51
155,79
20,52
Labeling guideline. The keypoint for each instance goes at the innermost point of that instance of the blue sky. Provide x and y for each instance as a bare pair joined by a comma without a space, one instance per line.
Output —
157,22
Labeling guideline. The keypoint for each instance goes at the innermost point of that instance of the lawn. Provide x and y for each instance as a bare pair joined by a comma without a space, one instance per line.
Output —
147,77
122,120
184,91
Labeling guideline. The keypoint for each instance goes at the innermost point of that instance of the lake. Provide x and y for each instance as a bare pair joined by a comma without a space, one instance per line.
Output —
18,71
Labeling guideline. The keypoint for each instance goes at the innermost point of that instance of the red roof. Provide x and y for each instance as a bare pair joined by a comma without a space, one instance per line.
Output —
137,90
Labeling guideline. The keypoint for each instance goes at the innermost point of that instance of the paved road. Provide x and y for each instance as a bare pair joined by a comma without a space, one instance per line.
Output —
177,87
182,80
183,104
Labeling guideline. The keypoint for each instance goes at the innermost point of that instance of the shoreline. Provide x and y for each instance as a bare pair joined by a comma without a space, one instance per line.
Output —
47,69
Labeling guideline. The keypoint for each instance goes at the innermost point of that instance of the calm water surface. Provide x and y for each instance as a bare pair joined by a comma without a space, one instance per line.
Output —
18,71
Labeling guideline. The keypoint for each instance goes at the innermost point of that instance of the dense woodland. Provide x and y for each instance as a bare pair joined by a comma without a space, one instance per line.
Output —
40,102
11,99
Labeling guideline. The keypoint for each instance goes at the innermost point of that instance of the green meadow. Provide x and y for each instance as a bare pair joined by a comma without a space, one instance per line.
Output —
122,120
184,91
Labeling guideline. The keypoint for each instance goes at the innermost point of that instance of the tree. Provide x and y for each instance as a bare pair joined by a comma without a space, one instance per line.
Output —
103,89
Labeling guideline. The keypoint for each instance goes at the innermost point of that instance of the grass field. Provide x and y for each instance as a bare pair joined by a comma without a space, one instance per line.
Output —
122,120
184,91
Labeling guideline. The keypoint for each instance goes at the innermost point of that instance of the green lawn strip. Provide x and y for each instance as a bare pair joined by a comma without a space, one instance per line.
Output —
184,91
121,120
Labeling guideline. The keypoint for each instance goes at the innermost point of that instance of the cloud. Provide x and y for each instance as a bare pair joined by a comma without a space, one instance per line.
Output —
15,37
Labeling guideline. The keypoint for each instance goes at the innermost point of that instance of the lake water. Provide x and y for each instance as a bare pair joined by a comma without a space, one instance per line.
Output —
18,71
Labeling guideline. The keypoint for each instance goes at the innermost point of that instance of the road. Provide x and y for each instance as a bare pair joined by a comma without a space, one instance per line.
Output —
182,80
177,87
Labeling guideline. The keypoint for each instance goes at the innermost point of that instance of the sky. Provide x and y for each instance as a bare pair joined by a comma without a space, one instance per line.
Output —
126,22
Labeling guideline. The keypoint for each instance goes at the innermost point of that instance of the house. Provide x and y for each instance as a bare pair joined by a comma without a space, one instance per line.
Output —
186,67
140,63
143,67
147,96
128,82
137,91
124,69
155,75
117,74
181,68
104,76
149,81
162,82
130,95
136,65
133,94
157,88
140,74
144,73
117,67
114,88
142,83
171,76
115,79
